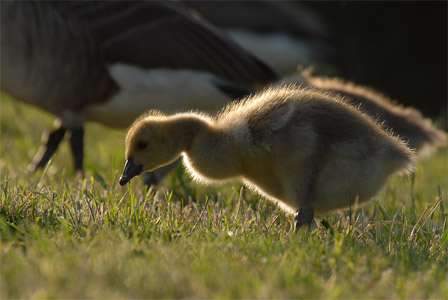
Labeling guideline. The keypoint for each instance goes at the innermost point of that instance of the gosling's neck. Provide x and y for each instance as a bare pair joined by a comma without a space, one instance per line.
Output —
210,152
183,129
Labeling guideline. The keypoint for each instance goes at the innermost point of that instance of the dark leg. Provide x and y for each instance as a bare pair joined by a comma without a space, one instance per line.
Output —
77,146
154,177
50,143
149,179
303,216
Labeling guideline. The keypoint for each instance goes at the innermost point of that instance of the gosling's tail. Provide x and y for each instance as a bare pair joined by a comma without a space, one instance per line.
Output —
401,158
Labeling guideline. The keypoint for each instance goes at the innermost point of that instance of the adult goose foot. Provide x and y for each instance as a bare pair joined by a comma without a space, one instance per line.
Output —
50,143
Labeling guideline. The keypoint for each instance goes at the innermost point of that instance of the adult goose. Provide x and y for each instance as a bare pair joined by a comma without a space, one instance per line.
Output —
106,61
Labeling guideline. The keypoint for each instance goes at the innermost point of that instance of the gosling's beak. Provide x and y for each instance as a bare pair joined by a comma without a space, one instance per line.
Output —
130,170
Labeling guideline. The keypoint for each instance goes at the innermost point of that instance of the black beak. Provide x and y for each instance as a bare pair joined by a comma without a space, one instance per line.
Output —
130,170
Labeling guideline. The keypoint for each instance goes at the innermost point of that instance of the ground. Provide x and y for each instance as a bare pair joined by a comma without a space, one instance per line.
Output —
68,237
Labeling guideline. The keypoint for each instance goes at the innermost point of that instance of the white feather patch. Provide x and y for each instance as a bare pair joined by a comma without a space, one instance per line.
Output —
162,89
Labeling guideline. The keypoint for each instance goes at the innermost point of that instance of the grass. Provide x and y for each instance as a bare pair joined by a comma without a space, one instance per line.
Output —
65,237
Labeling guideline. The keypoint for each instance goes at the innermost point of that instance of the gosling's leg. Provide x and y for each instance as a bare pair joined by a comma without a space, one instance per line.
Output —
303,216
77,146
154,177
149,179
50,143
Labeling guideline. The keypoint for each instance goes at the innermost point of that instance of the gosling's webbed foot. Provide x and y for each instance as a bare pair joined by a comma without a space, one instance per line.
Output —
50,143
77,146
303,216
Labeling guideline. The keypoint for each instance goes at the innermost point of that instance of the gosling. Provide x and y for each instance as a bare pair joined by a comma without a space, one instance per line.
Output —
305,150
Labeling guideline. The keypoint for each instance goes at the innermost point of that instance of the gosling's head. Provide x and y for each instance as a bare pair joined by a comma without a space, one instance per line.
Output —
148,146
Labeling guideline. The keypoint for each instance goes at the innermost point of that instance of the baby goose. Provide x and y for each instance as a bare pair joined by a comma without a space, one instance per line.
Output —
306,150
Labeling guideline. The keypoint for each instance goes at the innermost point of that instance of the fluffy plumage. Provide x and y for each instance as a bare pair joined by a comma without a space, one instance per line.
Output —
304,149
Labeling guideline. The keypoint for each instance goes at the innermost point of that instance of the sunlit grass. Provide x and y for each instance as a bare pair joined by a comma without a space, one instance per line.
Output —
64,237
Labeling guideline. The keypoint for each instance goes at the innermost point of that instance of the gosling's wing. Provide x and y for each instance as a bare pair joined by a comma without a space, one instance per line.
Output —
152,34
266,113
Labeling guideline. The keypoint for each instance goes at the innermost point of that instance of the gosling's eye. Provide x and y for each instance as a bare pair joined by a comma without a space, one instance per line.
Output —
142,145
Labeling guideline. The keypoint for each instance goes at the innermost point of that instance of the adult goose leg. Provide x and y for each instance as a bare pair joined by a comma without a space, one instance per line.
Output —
77,146
50,143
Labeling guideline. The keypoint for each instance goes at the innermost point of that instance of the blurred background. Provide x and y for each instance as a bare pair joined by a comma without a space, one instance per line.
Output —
397,47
